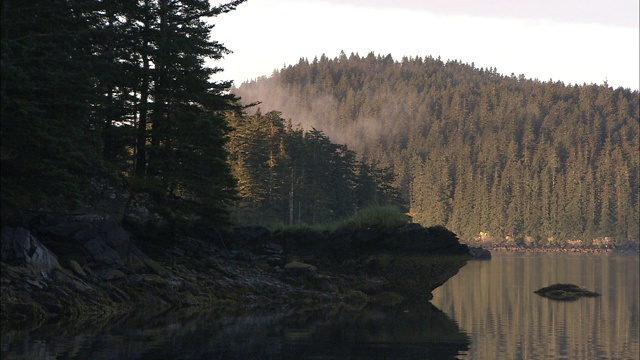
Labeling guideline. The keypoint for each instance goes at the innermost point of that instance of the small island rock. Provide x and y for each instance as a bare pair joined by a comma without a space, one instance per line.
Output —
565,292
479,253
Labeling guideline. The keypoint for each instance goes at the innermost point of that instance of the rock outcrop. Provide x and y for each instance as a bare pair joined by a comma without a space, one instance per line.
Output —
479,253
92,266
410,260
565,292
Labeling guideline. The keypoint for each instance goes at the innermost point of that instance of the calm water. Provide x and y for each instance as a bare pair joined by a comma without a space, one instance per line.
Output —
423,332
494,303
487,311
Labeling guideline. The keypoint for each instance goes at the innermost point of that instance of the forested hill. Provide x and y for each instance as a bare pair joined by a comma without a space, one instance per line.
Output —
487,155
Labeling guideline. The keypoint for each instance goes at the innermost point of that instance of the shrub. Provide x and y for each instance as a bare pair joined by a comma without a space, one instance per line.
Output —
378,217
381,217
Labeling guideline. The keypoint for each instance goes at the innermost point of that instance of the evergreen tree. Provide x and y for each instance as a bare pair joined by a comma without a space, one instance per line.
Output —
50,144
124,81
181,129
291,176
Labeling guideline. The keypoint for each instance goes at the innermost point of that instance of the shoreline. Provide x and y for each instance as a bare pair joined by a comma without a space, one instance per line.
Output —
351,269
630,250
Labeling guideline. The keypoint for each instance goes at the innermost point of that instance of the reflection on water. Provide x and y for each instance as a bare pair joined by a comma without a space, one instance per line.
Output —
493,301
410,332
489,311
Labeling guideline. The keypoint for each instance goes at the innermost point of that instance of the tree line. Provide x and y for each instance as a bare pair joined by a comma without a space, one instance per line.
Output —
287,175
489,156
95,88
89,87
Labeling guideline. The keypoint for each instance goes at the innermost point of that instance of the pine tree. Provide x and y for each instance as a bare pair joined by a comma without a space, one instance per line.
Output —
50,144
124,81
181,128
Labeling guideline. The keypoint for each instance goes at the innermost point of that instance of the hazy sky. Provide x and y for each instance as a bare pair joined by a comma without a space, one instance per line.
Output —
574,41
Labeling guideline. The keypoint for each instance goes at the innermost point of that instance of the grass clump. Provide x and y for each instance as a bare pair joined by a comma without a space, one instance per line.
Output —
379,217
282,227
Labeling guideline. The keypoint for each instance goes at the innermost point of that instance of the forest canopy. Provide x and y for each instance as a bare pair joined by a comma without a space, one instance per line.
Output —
488,156
96,88
89,87
93,89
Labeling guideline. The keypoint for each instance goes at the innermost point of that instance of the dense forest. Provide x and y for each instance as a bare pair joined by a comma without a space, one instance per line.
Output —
97,91
120,89
103,87
287,175
492,157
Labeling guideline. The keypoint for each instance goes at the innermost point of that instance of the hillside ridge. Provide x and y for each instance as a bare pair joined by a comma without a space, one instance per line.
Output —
492,157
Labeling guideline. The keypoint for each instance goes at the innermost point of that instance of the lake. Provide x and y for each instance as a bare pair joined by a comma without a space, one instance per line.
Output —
493,302
487,311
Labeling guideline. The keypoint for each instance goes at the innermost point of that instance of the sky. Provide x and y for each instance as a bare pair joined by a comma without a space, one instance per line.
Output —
573,41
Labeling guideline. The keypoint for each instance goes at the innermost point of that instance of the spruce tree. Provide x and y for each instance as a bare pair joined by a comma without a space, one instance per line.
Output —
50,144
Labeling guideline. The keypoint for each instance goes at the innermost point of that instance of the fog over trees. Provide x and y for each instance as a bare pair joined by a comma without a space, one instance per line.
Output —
487,155
102,89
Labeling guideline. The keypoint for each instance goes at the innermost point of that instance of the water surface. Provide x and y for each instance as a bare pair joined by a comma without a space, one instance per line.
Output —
493,301
418,331
487,311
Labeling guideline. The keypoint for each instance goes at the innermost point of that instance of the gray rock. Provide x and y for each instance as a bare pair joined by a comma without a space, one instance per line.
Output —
19,245
77,268
101,252
298,268
113,274
386,298
295,265
375,285
138,214
157,268
272,248
63,277
107,197
118,238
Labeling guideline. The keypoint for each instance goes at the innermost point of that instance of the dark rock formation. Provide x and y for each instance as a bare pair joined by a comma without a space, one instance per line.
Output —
19,246
479,253
565,292
411,260
97,268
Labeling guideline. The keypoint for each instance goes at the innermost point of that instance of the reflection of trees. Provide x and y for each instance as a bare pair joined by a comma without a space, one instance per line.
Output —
420,331
495,303
407,332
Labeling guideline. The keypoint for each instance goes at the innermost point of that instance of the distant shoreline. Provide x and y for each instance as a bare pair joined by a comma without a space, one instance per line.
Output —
627,249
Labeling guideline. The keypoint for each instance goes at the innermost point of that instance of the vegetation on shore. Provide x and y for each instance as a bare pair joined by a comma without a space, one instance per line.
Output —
103,90
376,217
94,90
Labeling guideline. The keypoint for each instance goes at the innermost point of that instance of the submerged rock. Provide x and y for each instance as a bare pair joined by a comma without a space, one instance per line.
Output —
565,292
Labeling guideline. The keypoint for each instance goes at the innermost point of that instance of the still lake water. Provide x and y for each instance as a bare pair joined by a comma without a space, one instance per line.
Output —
487,311
493,302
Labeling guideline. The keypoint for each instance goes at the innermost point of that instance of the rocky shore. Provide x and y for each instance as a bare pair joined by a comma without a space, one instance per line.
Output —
92,267
631,248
